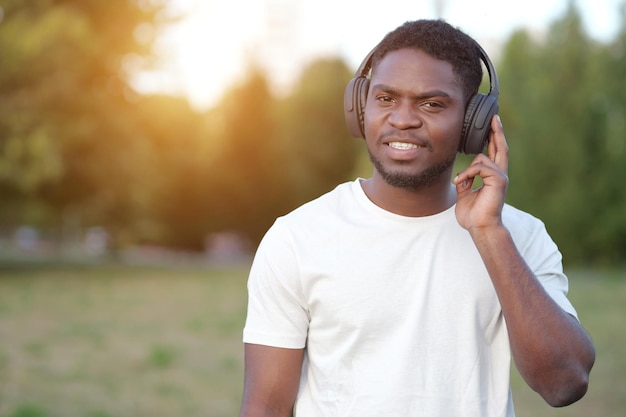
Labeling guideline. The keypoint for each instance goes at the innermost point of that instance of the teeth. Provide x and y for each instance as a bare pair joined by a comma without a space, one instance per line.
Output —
402,145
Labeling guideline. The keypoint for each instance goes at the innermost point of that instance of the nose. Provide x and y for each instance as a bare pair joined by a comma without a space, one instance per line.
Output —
404,116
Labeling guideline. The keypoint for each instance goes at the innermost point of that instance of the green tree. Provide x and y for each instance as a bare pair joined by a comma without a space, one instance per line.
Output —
248,177
555,104
275,154
607,139
68,143
180,181
319,152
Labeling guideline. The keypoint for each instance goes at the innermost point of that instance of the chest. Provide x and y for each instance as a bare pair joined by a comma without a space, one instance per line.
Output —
425,284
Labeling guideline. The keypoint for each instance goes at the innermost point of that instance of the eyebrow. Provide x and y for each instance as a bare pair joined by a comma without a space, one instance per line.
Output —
425,95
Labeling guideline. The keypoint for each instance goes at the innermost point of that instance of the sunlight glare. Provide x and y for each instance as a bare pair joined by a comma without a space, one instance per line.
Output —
207,50
214,43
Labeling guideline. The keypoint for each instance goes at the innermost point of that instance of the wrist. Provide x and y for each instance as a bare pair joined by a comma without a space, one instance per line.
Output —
495,231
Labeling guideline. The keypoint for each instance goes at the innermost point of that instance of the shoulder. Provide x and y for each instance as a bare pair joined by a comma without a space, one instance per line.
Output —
528,232
327,204
311,217
520,221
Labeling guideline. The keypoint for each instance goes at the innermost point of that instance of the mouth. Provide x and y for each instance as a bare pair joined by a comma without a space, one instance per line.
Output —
403,141
404,146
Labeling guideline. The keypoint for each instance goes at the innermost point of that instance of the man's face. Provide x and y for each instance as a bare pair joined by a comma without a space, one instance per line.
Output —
413,119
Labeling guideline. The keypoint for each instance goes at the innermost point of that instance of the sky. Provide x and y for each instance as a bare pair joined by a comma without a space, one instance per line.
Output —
209,49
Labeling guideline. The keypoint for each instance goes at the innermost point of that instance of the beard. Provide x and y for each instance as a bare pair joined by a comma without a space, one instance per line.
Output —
413,181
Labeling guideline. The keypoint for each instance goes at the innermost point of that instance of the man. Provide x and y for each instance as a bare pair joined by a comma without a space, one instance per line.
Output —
403,294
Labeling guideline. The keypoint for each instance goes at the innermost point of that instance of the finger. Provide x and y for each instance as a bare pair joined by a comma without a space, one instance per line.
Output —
491,144
476,168
463,185
482,167
498,149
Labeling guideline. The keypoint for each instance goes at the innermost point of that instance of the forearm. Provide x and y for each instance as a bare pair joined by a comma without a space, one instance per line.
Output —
551,350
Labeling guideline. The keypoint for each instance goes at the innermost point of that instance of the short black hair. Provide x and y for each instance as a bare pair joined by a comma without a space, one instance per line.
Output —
442,41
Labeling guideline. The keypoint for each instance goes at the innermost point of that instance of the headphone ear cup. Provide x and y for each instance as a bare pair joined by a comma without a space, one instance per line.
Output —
470,111
354,101
477,123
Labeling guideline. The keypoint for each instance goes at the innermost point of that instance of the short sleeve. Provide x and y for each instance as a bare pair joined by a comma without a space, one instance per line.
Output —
277,314
545,260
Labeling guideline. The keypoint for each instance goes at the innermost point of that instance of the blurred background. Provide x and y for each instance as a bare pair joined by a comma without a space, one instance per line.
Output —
147,145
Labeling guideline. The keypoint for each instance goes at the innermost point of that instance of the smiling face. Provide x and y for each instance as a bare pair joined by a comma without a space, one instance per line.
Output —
413,119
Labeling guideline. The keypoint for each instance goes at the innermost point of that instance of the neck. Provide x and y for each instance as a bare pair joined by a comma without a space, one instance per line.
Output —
425,201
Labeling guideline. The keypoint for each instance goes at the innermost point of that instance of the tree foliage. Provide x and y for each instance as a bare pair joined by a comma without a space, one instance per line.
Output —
65,129
79,147
277,153
319,149
564,111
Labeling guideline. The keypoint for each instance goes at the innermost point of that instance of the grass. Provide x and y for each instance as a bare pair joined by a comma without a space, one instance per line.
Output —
115,341
120,341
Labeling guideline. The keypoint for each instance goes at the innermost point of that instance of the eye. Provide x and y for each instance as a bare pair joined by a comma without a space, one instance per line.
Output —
385,99
433,106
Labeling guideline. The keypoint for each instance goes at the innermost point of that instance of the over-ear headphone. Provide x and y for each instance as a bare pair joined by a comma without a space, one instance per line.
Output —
478,114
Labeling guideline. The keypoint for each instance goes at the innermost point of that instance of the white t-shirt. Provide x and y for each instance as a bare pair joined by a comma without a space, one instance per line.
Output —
397,314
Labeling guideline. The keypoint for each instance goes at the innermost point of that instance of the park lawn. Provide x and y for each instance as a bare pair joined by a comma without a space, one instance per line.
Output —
111,340
121,341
